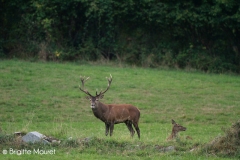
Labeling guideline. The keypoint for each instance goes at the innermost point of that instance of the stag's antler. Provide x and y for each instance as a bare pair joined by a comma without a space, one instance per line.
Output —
82,89
109,83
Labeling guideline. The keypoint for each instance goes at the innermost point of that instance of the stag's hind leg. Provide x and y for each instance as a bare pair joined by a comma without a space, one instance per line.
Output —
130,128
135,124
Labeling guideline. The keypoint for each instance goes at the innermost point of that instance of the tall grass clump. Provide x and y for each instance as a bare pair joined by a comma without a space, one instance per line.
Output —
227,145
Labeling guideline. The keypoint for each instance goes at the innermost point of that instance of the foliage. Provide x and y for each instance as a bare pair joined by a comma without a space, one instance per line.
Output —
198,34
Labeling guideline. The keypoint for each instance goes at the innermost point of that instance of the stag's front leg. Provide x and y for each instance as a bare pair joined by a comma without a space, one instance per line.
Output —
111,128
107,128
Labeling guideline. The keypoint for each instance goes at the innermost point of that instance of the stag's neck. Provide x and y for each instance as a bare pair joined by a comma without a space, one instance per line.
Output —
100,111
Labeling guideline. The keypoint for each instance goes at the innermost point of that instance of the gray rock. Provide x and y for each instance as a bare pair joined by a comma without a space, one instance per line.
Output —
165,149
169,149
87,140
33,137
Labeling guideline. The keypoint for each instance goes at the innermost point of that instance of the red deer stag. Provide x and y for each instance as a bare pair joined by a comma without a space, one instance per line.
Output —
112,114
175,129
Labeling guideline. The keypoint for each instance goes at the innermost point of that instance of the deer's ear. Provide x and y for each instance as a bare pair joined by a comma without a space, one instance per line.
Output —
88,97
173,122
100,96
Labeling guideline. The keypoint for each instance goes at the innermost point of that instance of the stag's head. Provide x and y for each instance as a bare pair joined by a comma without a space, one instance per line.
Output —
94,100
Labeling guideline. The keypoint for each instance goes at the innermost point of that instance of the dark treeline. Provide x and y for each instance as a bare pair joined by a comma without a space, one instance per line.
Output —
201,34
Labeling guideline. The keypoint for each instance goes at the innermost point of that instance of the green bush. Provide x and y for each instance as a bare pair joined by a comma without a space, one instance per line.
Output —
203,35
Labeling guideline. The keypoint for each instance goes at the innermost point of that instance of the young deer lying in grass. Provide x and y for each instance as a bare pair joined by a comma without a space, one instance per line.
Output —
175,129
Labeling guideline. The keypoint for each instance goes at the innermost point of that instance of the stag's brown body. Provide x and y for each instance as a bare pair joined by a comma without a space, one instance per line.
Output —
116,113
112,114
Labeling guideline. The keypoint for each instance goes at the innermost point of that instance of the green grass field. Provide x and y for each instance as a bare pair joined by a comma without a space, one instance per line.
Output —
44,97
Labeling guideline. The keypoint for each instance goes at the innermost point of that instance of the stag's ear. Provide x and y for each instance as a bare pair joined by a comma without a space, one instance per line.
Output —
100,96
173,122
88,97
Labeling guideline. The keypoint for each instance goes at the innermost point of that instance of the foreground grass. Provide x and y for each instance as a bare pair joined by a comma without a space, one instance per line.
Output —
44,97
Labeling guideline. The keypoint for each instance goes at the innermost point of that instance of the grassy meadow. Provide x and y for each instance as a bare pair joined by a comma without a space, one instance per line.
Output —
44,97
